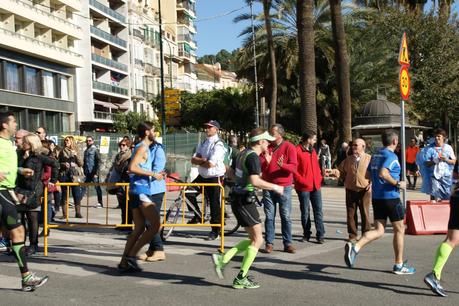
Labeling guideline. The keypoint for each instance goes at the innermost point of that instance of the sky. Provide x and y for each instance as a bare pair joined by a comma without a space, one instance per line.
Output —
216,32
219,32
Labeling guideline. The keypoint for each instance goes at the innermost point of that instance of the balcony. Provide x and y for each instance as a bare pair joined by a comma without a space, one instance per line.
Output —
138,62
108,37
108,62
187,22
26,10
103,116
187,37
139,93
108,11
138,33
29,45
109,88
186,5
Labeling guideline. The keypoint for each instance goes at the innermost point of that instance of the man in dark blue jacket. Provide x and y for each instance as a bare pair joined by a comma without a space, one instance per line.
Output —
91,165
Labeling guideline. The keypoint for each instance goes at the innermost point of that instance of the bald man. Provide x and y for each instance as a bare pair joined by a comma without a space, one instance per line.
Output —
358,187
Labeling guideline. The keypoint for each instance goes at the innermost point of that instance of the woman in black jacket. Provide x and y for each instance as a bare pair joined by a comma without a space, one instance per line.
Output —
33,157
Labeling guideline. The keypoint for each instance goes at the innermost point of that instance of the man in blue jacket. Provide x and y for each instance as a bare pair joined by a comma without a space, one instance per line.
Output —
91,167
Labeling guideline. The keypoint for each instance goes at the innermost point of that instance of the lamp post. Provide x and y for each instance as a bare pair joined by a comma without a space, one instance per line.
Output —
161,55
257,116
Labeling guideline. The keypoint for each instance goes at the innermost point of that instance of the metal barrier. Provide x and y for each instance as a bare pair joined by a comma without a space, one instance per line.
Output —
221,225
47,226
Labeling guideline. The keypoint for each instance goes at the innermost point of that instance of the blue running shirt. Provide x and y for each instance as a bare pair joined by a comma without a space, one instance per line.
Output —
381,189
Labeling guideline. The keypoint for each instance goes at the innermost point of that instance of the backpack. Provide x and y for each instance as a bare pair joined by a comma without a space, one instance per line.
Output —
227,159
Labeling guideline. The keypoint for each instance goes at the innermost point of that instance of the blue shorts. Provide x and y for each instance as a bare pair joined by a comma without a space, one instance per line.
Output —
135,200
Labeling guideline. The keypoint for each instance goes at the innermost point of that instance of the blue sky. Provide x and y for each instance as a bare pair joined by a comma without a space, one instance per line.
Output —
220,32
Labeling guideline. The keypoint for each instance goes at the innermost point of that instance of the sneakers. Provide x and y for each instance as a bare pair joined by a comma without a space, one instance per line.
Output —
434,284
31,282
350,254
403,269
4,244
31,249
244,283
99,205
219,265
212,236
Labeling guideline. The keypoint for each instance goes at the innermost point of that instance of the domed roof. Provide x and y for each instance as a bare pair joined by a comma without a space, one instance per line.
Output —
380,107
379,111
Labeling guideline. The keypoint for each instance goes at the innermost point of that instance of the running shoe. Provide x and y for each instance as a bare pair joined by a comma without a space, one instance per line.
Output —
244,283
219,265
4,244
132,263
350,254
434,284
403,269
31,282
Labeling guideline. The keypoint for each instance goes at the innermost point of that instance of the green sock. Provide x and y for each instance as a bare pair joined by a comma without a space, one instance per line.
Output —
238,248
248,260
443,252
19,254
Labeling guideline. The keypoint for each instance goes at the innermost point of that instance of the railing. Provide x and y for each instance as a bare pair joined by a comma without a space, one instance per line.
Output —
47,14
40,43
103,115
108,62
187,5
140,93
186,37
183,53
138,62
108,11
107,36
109,88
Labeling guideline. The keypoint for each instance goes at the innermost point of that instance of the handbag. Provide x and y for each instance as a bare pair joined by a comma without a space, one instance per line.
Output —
113,177
27,198
76,174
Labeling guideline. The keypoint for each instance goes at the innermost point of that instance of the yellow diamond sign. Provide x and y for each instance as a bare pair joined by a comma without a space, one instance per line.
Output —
403,57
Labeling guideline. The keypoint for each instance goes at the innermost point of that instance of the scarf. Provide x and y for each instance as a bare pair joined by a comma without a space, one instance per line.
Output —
121,159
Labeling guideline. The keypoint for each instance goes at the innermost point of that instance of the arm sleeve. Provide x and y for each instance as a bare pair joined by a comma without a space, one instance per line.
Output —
292,160
389,162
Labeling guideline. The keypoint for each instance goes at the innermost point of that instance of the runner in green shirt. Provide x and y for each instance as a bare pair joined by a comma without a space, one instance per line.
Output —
9,215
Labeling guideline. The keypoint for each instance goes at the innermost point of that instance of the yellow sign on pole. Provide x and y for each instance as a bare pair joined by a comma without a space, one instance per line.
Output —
404,82
403,57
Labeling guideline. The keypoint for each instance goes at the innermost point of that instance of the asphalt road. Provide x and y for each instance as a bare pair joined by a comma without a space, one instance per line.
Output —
82,269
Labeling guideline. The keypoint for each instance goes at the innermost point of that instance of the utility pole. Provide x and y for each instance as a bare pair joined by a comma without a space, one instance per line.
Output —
257,116
161,55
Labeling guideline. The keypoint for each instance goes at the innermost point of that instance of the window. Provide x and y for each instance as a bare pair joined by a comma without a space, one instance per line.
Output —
64,88
65,122
48,84
31,80
12,77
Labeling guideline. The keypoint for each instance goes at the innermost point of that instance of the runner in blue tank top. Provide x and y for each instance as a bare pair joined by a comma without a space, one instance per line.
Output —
140,199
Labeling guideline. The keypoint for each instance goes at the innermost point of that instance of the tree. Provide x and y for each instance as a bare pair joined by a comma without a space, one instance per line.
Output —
128,122
224,57
306,57
342,69
272,62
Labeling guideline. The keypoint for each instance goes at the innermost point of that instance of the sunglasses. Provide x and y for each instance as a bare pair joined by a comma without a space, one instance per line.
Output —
37,132
123,145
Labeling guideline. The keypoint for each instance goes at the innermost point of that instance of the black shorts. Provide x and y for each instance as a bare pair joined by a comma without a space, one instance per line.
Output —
9,217
453,223
388,208
246,213
412,167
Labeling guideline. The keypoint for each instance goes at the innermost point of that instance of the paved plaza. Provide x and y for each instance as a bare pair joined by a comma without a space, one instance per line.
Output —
82,269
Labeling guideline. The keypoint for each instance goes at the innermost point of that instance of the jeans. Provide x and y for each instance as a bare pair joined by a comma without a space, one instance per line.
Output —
41,214
156,244
270,199
92,179
315,197
121,197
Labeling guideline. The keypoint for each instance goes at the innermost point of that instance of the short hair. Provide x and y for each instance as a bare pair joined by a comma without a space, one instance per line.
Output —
439,131
388,137
280,128
143,127
255,132
307,135
89,136
4,118
42,127
34,142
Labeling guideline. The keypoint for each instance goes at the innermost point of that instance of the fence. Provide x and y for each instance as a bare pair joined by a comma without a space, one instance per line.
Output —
68,224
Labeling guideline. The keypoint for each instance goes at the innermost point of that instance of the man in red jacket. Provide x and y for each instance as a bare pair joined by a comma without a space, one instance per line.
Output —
278,166
308,179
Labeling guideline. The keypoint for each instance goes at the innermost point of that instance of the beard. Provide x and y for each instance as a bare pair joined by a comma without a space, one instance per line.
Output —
151,137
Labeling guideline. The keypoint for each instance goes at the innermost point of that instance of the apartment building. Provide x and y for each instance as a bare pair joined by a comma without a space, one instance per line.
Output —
210,77
39,55
103,83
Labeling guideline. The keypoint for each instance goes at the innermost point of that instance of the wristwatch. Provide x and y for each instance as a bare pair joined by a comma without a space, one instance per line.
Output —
398,184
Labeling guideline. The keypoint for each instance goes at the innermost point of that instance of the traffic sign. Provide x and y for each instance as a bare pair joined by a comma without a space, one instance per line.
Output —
170,106
404,83
172,98
403,57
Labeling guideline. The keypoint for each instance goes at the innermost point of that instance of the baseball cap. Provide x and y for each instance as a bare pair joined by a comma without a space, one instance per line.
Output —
265,135
213,123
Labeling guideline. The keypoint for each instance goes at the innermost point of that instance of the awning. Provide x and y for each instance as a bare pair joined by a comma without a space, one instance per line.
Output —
124,105
105,104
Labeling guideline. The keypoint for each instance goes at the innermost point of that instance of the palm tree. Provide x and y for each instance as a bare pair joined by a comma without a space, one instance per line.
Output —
272,61
306,56
342,69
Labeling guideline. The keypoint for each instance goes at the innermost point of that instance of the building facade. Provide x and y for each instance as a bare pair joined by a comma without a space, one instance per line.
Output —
39,56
